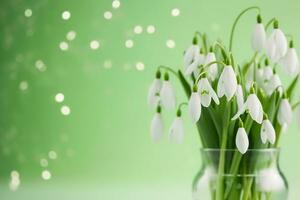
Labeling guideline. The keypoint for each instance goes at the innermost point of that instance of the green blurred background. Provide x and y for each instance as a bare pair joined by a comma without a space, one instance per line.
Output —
95,144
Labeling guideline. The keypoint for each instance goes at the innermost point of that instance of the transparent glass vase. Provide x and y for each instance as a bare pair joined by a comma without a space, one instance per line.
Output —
256,175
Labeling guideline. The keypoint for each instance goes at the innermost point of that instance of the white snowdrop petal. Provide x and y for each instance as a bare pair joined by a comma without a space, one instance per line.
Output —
269,180
205,100
240,112
189,55
239,97
258,37
285,113
212,69
273,84
167,95
263,136
194,107
267,73
290,62
154,92
177,131
255,108
242,141
270,131
157,127
281,42
207,92
228,82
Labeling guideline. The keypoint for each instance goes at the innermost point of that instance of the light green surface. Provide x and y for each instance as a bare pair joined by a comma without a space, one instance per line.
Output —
103,146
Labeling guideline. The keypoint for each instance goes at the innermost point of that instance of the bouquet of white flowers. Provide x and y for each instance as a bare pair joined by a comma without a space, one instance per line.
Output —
234,106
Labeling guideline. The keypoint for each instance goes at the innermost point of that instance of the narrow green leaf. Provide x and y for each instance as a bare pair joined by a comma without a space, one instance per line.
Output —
186,86
291,88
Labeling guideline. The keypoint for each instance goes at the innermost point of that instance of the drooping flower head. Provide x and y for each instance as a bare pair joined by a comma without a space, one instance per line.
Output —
207,92
153,93
227,83
241,140
267,132
167,93
258,36
290,62
194,105
254,107
191,54
177,129
157,126
276,45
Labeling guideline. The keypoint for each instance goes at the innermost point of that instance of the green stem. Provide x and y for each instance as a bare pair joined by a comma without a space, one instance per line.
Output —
269,23
168,69
218,44
236,21
205,66
203,37
221,171
247,189
182,104
295,105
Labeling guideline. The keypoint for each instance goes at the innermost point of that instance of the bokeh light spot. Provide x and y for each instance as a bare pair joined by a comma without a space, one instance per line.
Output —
52,155
46,175
28,12
116,4
138,29
94,44
175,12
40,65
108,15
151,29
64,46
71,35
66,15
170,44
44,162
140,66
107,64
129,43
59,97
23,85
65,110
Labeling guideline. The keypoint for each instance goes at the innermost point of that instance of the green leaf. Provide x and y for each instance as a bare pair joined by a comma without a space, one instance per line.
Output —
291,88
186,86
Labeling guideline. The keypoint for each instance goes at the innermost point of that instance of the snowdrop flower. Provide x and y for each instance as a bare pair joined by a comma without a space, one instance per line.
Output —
258,35
190,54
198,60
239,97
267,132
212,69
276,45
167,94
177,129
273,84
241,140
157,126
194,105
153,94
207,92
290,61
285,113
269,180
254,107
227,83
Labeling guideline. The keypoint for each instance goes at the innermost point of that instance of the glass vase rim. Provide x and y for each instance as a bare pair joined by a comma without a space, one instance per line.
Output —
277,149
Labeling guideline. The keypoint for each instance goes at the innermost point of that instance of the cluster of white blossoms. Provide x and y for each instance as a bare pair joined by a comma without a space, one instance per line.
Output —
214,81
